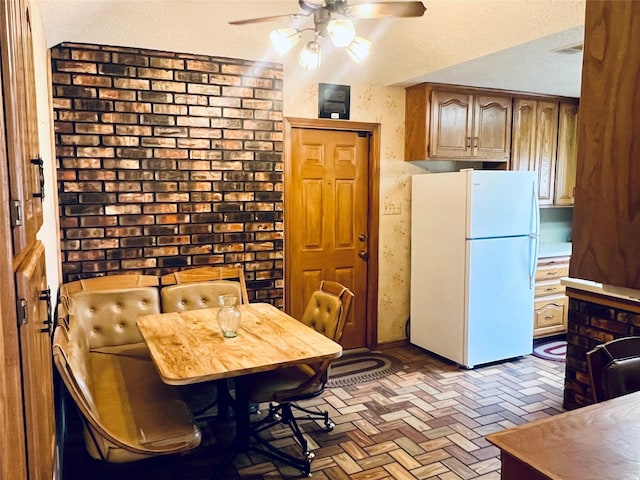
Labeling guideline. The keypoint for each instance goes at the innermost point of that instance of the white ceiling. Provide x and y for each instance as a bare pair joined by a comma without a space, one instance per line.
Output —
505,44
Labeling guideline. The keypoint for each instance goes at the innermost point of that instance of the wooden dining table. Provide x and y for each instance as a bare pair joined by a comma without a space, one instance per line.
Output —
188,347
597,442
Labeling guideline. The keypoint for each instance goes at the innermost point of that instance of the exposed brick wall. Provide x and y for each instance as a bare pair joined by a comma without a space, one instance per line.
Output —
591,324
168,161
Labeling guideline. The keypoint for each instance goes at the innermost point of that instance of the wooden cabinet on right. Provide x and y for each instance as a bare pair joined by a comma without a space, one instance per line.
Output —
545,139
565,184
550,310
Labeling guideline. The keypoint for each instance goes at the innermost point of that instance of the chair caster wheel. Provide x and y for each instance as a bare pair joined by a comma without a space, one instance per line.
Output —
329,425
310,456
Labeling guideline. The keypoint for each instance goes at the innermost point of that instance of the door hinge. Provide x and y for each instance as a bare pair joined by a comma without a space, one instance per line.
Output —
363,134
22,312
16,213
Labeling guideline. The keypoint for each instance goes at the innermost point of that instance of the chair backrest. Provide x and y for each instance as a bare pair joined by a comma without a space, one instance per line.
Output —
328,309
109,282
203,275
193,296
614,368
108,317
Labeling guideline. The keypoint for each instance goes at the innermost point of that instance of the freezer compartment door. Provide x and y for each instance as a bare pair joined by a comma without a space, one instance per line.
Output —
501,204
500,300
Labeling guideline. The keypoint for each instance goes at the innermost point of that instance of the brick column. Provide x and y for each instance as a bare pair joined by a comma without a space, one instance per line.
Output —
593,319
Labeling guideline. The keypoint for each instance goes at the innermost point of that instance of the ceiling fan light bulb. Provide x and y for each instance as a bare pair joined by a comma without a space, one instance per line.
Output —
359,49
284,39
310,56
341,32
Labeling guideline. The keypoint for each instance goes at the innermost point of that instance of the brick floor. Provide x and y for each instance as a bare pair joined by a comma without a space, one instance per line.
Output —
427,421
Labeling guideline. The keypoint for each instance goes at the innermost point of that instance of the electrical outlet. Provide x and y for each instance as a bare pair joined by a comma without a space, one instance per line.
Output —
392,208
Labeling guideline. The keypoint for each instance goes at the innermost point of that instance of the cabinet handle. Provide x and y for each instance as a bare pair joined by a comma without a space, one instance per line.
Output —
468,142
548,317
40,164
549,289
475,142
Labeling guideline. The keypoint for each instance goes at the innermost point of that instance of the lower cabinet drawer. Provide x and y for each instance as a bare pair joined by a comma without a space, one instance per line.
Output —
550,314
550,287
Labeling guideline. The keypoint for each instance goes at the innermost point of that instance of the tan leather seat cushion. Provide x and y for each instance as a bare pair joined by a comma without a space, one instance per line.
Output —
194,296
322,313
137,406
108,317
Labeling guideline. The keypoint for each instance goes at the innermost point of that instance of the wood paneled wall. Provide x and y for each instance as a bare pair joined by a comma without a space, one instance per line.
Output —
606,219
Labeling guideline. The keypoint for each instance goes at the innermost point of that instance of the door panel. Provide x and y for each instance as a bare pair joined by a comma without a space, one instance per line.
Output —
329,198
35,343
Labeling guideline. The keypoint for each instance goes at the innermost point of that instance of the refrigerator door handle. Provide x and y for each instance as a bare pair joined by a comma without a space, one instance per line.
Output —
534,236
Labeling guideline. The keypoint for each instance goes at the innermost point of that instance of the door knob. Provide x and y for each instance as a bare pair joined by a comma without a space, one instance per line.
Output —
362,237
363,255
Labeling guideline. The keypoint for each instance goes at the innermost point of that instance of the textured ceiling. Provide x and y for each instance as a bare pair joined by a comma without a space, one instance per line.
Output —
492,43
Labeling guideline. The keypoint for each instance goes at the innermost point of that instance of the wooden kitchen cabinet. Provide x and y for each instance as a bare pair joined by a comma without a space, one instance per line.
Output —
27,180
565,182
550,305
450,123
535,141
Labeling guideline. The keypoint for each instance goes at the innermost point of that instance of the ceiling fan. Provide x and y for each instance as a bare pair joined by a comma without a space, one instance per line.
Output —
332,19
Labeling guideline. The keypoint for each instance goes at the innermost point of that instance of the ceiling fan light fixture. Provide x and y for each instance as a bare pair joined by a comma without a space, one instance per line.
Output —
341,32
359,49
284,39
310,56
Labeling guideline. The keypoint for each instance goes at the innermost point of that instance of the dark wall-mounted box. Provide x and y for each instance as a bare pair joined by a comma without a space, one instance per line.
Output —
334,101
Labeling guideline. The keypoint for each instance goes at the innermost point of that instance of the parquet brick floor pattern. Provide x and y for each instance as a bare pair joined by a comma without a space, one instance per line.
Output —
427,421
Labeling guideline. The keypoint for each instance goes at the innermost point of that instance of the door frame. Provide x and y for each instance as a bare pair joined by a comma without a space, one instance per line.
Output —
373,221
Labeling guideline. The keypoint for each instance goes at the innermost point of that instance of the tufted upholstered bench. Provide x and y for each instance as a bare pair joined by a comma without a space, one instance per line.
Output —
129,413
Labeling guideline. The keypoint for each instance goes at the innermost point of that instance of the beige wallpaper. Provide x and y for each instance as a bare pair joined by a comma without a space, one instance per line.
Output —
383,105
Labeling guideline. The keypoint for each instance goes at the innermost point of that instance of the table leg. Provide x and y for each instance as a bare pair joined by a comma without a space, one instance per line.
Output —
242,414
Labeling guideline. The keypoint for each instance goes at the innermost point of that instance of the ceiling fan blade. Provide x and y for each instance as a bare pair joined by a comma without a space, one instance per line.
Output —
385,9
293,16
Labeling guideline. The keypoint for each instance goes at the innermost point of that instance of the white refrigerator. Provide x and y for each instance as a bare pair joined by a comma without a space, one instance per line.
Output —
474,248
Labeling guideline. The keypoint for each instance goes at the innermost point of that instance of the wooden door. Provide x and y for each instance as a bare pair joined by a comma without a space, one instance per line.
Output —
546,145
327,231
451,125
35,359
491,128
567,154
524,134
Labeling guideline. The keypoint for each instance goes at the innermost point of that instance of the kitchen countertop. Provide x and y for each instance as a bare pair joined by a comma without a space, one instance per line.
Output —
554,249
623,293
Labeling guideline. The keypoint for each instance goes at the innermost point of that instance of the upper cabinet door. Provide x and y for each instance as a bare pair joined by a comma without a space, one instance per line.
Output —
524,134
567,154
26,179
546,144
451,125
492,127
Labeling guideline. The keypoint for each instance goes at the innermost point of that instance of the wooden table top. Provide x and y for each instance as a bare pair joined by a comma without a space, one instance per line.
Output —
188,347
590,443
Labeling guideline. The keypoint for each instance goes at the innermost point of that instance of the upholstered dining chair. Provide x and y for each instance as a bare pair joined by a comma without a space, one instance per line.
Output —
327,313
127,412
614,368
200,287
